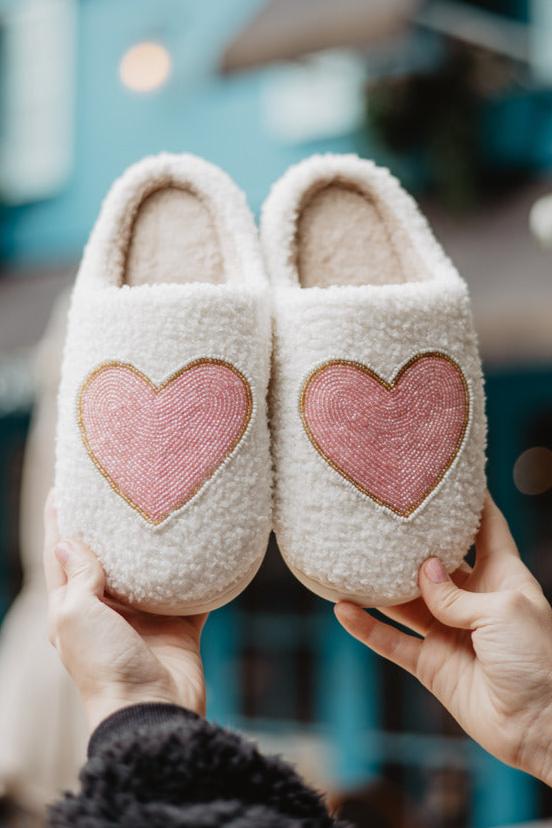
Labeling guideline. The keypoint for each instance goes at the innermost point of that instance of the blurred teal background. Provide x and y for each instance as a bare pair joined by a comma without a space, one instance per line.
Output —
457,98
198,111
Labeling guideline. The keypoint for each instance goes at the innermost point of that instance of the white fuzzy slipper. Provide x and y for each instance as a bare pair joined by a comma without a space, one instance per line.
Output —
377,417
162,445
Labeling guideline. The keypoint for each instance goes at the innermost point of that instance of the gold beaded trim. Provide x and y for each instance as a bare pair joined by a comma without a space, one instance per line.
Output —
157,388
403,513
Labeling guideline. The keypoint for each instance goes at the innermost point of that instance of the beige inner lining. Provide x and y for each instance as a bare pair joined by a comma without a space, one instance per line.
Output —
173,239
344,237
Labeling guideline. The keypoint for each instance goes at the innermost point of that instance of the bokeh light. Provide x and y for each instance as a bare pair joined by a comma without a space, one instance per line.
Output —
533,471
145,67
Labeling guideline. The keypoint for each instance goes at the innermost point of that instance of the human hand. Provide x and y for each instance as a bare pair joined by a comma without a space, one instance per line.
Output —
116,656
486,646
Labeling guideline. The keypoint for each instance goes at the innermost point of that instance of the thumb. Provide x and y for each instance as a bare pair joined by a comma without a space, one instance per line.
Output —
450,605
82,568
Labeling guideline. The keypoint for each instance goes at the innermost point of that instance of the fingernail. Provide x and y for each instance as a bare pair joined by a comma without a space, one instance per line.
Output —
347,611
435,571
62,551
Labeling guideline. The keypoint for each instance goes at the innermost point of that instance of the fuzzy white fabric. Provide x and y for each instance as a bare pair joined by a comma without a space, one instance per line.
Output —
339,541
213,545
174,237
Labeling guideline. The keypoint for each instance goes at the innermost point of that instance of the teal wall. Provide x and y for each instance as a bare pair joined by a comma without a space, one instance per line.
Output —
202,112
197,111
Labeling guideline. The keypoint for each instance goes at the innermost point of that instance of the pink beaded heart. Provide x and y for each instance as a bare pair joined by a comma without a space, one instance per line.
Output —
157,445
394,441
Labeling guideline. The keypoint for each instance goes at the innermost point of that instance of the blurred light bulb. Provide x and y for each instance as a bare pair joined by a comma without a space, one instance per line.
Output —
540,220
533,471
145,67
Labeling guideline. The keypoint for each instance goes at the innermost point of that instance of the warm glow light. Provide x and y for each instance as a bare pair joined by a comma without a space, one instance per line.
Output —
145,67
533,471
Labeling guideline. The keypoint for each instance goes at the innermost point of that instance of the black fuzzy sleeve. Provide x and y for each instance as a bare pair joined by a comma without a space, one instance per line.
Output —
161,766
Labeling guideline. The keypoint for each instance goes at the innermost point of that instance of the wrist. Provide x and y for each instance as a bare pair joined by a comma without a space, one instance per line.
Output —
535,756
99,706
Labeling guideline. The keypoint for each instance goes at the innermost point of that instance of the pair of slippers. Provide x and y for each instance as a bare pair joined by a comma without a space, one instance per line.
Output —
351,317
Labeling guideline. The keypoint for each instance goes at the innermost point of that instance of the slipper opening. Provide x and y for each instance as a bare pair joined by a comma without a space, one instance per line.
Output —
347,235
173,238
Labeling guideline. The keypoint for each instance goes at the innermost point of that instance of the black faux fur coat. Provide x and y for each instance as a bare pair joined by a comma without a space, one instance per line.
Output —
160,766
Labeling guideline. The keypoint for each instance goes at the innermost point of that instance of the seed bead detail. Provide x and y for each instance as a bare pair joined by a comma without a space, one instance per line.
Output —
157,445
393,441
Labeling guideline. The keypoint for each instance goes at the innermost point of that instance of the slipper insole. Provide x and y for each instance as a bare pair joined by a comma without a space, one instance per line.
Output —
344,238
173,239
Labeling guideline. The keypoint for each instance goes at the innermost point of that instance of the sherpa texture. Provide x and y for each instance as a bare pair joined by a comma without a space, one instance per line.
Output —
158,765
183,247
213,545
327,529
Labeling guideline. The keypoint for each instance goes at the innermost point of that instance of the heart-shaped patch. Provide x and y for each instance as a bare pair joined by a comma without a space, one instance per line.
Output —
157,445
394,441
